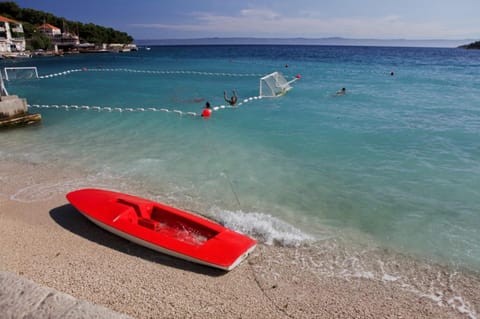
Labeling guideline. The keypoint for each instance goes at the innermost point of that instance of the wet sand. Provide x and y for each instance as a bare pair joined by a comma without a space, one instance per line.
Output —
46,240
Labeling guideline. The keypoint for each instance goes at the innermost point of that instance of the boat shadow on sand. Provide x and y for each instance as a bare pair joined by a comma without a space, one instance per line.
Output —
70,219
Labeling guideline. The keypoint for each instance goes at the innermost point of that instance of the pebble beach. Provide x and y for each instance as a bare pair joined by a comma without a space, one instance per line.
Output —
45,240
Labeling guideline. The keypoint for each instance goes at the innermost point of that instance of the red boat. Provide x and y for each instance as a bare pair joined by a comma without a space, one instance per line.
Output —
163,228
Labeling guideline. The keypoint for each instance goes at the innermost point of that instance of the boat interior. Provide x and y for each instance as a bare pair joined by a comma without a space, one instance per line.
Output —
158,219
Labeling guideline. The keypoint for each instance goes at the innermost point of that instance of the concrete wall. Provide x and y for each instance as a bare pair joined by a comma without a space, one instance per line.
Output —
12,105
21,298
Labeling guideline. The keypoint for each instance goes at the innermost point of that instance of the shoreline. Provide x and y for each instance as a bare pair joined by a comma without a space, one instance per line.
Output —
45,240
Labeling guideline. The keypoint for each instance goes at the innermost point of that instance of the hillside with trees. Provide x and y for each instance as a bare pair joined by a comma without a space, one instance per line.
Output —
88,32
474,45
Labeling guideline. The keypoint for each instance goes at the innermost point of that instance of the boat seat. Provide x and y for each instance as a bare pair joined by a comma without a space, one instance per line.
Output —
150,224
142,210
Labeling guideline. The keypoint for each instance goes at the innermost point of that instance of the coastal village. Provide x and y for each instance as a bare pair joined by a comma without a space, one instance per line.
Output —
13,109
13,42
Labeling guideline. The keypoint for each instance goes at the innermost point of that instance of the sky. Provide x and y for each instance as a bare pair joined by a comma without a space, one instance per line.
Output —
358,19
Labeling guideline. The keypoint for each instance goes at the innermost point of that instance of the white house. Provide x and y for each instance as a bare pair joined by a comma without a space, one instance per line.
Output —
12,37
49,30
61,40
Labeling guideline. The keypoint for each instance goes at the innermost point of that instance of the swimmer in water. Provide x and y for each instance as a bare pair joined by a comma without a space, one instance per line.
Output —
207,111
343,91
233,100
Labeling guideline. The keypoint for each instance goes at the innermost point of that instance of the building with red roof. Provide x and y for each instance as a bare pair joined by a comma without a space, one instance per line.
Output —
12,37
49,30
62,40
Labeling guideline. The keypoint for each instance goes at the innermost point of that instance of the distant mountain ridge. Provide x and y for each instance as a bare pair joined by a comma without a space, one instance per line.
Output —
306,41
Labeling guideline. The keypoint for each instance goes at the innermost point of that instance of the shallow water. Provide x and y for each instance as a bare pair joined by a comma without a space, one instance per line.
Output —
396,160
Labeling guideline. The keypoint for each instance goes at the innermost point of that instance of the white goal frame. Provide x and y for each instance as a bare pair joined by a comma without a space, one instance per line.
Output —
34,68
277,86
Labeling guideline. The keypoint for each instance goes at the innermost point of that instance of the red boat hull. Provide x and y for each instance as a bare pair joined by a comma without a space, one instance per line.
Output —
163,228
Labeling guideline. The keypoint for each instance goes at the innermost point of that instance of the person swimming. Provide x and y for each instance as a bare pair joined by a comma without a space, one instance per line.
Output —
207,111
233,100
343,91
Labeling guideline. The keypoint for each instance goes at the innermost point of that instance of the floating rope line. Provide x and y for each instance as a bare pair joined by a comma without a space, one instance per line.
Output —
149,72
137,109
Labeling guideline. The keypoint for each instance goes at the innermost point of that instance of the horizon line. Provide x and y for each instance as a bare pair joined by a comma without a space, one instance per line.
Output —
308,38
340,41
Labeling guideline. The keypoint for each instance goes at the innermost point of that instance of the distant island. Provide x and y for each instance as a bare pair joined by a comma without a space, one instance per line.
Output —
474,45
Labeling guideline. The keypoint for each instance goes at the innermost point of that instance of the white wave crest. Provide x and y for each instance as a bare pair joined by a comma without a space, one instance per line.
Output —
263,227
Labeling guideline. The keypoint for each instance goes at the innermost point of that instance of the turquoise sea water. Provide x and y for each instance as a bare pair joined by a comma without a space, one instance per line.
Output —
397,159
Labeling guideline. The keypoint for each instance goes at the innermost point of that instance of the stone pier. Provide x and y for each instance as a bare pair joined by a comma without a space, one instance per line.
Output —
13,112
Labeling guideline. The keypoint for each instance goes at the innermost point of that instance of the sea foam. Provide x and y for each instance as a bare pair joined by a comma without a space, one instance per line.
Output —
265,228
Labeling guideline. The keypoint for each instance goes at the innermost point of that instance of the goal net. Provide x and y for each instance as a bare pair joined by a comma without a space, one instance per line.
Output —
273,85
21,73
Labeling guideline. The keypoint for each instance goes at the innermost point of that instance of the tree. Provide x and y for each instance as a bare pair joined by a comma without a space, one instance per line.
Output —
10,9
39,41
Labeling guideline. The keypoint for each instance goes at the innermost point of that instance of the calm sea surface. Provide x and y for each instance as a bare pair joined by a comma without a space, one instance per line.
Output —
396,159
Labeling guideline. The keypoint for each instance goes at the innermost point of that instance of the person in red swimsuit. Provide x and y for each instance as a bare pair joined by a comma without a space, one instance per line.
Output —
207,111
